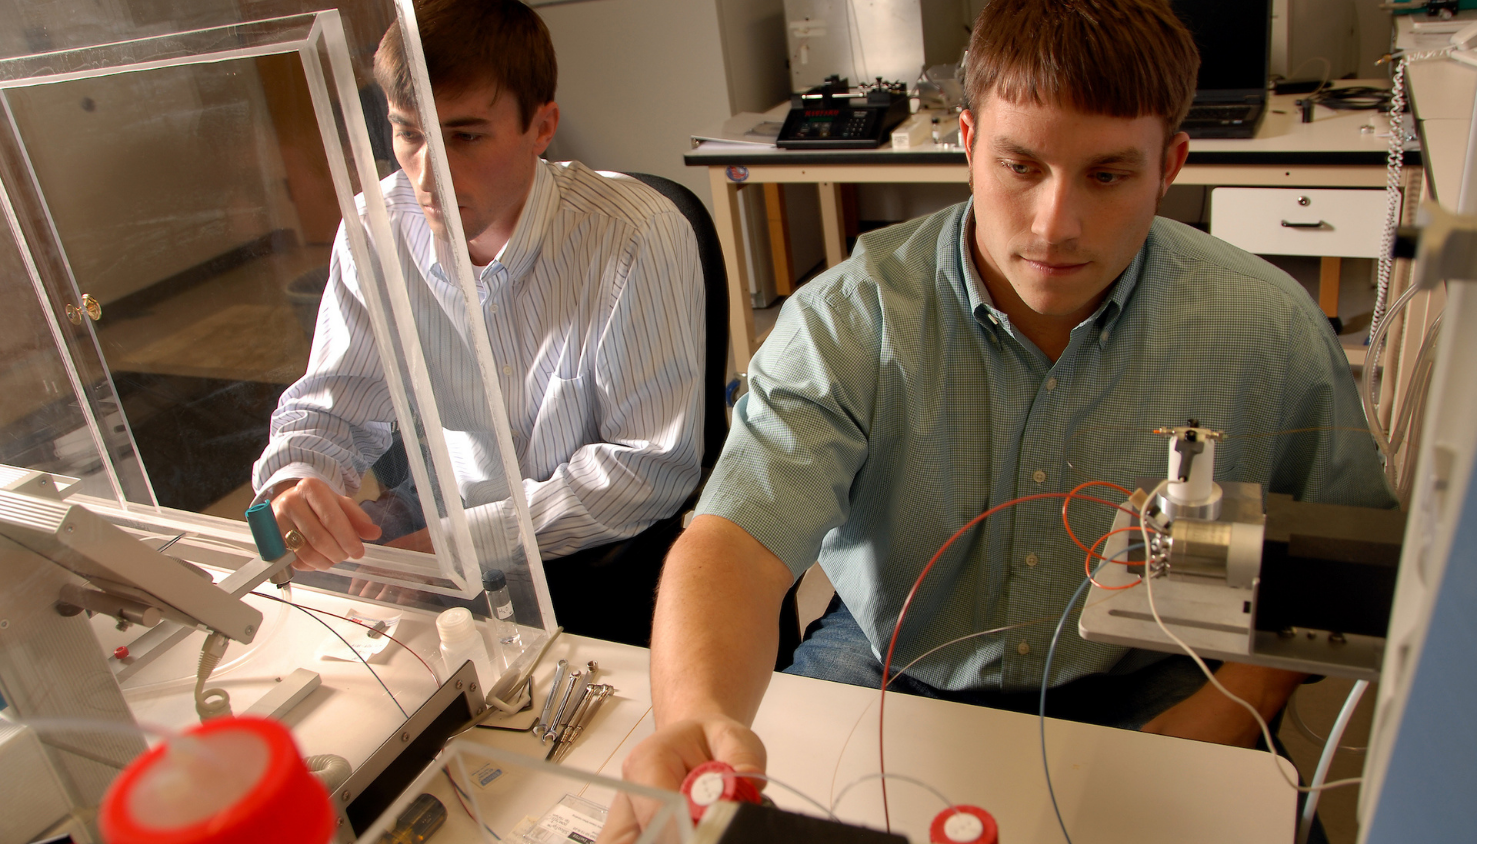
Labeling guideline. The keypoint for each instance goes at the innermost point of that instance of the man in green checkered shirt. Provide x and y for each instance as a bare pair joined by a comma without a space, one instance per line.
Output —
1023,342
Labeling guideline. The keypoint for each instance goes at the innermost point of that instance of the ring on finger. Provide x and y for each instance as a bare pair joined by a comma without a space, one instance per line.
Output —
294,539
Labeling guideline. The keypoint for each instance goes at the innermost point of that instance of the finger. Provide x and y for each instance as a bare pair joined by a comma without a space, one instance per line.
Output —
363,525
620,825
319,550
327,505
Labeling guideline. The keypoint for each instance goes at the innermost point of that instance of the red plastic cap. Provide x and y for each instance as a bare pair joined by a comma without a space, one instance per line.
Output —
964,825
714,781
122,652
151,802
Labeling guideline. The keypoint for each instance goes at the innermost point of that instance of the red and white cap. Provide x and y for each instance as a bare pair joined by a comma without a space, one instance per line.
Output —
964,825
714,781
229,781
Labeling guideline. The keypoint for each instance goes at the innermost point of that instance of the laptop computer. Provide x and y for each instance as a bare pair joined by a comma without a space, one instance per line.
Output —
1234,49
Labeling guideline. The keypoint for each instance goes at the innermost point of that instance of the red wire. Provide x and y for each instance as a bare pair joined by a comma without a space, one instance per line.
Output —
885,674
1090,574
1069,528
367,627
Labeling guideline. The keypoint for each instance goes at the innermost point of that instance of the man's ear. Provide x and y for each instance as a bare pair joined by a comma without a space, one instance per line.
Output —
544,122
968,125
1173,159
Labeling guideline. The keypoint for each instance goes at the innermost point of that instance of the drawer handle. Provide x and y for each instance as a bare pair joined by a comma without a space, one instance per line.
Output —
1287,224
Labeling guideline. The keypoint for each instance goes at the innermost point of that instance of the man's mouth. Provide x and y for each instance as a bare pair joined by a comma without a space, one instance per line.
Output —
1053,267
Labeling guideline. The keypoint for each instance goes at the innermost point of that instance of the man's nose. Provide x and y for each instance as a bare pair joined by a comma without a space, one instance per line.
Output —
1057,216
425,181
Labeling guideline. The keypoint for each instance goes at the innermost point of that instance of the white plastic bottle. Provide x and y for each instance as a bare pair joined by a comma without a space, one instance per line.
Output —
461,641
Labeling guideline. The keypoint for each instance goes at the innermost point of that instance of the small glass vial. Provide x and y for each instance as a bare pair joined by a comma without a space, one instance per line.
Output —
461,642
502,611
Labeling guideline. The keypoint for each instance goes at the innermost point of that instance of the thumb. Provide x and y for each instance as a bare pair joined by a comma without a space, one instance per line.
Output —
359,519
736,745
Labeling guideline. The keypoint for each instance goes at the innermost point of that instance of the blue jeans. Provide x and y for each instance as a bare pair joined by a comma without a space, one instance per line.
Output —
836,649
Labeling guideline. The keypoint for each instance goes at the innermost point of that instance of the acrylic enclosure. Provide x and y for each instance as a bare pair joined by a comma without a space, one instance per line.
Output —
173,178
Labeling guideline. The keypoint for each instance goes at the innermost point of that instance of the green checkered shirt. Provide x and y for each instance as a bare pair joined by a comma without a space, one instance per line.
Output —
892,403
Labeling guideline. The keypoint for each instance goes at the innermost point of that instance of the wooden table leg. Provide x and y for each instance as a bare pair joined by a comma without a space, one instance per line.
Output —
779,232
833,222
727,221
1328,285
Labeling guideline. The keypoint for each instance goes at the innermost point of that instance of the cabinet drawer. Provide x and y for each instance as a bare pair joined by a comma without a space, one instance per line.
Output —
1277,221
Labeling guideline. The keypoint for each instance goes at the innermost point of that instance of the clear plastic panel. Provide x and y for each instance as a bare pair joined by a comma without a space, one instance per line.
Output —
172,176
487,794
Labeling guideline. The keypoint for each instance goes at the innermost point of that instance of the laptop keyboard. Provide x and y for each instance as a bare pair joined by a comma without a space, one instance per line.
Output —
1222,114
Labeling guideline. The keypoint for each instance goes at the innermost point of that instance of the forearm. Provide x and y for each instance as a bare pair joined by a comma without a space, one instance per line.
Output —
1207,715
714,640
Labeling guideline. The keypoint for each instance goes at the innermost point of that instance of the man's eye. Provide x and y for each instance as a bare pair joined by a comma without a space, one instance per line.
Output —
1020,169
1107,178
465,137
413,137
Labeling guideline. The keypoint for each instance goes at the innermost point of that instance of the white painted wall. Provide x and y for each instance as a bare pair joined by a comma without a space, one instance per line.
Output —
635,79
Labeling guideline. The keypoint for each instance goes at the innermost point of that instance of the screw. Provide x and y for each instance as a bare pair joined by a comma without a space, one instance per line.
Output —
1303,201
4,623
344,797
1311,635
249,630
1337,638
43,481
340,822
405,737
1287,633
473,687
122,625
458,684
70,528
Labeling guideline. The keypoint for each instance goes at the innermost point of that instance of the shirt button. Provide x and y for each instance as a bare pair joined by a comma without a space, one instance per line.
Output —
1039,476
1051,384
1031,559
1104,336
494,307
505,369
1023,649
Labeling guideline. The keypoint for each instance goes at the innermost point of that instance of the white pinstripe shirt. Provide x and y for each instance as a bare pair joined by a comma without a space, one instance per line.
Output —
595,316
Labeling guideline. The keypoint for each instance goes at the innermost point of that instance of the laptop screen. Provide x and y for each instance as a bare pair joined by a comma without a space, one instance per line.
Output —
1234,42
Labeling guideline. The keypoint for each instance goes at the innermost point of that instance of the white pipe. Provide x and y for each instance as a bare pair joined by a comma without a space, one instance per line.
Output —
1336,735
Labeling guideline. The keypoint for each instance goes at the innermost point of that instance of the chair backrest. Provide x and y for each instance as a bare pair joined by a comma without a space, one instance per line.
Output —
715,311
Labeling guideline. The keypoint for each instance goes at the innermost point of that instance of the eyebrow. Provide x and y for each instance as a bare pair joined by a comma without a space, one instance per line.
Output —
1129,157
455,123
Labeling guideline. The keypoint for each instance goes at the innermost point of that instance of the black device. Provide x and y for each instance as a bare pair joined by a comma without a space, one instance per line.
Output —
1234,51
406,753
747,823
832,116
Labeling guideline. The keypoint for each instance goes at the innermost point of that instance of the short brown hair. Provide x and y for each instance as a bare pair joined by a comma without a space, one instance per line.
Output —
473,42
1121,58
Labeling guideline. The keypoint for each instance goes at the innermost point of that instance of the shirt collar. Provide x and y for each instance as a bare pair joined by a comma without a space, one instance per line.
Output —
519,254
983,307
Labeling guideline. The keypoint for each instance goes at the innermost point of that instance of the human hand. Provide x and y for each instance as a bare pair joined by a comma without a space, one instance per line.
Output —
332,524
666,757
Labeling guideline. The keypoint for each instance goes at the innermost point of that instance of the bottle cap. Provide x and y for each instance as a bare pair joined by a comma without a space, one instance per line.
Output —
714,781
964,825
233,780
493,579
454,624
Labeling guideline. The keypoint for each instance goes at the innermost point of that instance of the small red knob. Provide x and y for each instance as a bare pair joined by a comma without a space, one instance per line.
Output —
715,781
964,825
122,652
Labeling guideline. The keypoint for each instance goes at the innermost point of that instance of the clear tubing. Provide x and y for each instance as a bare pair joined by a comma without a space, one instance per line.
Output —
1310,808
190,680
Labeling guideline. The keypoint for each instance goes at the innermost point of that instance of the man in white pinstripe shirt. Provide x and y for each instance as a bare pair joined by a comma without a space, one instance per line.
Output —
593,293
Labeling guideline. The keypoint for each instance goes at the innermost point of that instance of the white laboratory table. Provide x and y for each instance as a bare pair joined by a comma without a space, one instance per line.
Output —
1112,785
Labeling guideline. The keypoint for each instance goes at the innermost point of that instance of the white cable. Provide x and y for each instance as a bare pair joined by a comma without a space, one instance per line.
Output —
1207,672
879,776
330,770
1310,808
211,703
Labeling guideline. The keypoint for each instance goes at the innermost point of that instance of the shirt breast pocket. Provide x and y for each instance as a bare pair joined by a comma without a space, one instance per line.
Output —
564,423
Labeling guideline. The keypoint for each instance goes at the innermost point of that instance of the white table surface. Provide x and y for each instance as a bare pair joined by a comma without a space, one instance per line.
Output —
1113,785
